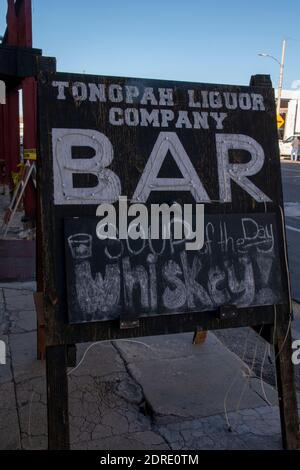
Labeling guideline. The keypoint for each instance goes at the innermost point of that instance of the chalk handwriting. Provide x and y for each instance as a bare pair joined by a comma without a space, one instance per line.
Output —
235,266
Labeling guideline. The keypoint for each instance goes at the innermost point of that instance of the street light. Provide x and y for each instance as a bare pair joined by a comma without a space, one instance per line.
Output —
271,57
281,73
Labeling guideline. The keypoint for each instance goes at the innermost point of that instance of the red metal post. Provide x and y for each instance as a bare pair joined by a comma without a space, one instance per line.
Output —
19,33
11,38
24,18
29,101
9,117
30,137
13,132
4,149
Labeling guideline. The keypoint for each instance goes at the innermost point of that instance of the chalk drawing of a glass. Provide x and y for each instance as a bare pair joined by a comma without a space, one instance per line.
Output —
80,245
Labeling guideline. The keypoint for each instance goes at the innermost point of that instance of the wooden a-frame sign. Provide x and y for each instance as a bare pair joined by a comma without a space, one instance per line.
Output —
156,142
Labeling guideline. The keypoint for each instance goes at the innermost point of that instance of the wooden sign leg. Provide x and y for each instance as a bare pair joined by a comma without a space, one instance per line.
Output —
286,388
57,398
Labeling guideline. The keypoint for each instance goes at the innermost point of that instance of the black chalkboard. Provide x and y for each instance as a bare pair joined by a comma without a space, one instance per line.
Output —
108,279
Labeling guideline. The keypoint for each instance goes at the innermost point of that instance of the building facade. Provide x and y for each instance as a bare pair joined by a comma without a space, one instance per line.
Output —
290,111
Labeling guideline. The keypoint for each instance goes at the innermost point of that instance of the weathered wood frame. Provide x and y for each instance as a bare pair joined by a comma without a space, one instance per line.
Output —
60,334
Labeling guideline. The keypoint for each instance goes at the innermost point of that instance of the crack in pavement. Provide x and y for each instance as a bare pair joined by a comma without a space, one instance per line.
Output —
13,380
149,411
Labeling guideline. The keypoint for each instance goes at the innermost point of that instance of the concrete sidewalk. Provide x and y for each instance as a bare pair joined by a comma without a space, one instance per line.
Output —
150,393
17,248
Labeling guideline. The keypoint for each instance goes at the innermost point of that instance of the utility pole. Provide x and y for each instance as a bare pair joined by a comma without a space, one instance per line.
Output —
280,83
281,77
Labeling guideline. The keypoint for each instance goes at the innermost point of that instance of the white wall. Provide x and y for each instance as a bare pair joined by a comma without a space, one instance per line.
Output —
291,118
292,123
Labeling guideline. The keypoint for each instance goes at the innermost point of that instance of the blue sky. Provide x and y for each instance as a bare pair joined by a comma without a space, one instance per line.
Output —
212,41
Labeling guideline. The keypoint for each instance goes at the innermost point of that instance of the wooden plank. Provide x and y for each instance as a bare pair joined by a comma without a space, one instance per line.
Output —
286,383
57,398
166,324
41,334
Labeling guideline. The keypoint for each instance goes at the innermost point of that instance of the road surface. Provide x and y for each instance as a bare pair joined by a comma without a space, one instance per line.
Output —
291,194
